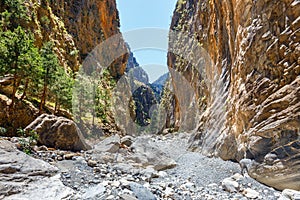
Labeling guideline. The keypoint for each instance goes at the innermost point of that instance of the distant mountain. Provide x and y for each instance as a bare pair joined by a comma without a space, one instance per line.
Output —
158,85
132,62
161,80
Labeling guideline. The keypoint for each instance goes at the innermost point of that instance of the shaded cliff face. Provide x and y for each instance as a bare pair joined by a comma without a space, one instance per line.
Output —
249,92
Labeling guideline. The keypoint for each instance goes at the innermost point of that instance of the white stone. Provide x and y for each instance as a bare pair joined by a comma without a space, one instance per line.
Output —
230,185
251,194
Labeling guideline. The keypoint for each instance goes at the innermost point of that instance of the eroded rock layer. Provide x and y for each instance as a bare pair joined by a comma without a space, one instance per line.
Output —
242,60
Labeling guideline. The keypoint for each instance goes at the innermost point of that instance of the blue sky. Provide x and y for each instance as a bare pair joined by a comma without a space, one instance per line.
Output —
138,14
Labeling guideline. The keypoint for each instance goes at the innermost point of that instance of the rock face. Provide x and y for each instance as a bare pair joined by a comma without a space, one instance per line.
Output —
10,119
90,23
23,177
58,132
46,26
242,60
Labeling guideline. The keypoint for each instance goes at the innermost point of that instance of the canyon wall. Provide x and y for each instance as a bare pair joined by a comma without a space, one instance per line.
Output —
76,28
242,61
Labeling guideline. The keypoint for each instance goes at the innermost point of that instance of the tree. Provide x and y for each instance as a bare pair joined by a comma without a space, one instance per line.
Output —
50,66
18,57
62,89
15,14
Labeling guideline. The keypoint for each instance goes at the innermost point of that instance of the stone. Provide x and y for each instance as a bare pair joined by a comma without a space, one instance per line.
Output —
250,193
127,197
95,192
58,132
149,173
127,140
70,156
116,183
278,168
289,194
169,192
148,153
92,163
162,174
230,185
24,177
110,145
141,192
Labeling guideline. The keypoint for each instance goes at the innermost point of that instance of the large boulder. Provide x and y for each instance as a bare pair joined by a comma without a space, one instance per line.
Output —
19,117
147,153
23,177
58,132
280,168
110,144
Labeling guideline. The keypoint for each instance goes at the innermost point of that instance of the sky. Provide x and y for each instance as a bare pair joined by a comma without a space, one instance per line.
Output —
139,14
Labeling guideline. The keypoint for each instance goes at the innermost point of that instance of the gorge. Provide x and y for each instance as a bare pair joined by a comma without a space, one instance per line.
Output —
97,124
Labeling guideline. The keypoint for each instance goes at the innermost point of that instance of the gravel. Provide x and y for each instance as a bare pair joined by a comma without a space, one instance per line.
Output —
194,177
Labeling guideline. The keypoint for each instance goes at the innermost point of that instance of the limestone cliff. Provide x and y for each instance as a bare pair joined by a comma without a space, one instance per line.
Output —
245,80
76,28
46,26
90,23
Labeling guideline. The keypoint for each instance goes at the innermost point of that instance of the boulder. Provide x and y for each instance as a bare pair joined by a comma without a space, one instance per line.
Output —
288,194
280,168
58,132
141,192
19,117
147,153
110,145
23,177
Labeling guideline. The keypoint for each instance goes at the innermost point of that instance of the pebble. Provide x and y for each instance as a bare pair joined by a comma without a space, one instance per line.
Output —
92,163
131,181
250,193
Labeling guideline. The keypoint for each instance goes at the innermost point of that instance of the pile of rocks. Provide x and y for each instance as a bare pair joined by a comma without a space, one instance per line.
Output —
127,168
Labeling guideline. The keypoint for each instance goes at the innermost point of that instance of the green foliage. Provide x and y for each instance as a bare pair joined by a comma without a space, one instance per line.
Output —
2,130
37,73
62,88
57,84
27,140
15,14
45,20
18,57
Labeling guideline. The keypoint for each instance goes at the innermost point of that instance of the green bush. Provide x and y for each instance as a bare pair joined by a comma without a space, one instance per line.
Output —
2,130
27,140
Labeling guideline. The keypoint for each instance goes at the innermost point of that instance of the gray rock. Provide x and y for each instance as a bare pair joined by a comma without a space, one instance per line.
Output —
127,197
58,132
250,193
110,144
149,173
92,163
94,192
141,192
148,153
230,185
288,194
23,177
127,140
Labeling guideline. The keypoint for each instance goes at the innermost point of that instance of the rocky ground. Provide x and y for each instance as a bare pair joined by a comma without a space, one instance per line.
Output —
129,168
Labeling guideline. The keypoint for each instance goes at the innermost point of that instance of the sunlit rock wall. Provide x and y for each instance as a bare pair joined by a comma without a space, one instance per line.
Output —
248,91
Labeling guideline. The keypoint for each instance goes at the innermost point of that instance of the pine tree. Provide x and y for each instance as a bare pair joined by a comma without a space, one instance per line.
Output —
18,57
50,66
